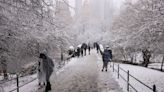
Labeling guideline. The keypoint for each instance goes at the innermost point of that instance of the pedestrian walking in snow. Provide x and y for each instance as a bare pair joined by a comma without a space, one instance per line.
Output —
81,50
48,66
71,51
84,48
78,51
89,49
96,45
106,57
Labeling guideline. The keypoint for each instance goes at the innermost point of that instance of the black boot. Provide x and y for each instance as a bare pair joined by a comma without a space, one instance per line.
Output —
102,70
48,87
39,84
44,83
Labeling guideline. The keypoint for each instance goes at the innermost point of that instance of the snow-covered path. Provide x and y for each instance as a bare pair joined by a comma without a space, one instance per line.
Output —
83,75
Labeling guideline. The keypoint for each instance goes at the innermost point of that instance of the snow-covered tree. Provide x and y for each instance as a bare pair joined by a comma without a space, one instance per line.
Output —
27,27
140,26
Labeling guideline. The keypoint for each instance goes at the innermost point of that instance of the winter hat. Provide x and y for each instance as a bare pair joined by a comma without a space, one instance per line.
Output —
42,55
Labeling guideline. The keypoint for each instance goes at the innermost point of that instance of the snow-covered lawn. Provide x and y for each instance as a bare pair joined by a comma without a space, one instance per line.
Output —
146,75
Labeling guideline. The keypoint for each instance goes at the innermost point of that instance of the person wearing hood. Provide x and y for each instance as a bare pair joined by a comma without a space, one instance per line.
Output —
40,72
106,57
48,66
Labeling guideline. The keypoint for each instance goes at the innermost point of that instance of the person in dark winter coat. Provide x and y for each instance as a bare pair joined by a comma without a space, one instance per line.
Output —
89,48
97,47
78,51
106,57
94,45
84,48
81,50
48,66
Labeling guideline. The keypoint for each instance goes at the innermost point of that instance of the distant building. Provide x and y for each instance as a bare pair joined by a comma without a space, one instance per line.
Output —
78,7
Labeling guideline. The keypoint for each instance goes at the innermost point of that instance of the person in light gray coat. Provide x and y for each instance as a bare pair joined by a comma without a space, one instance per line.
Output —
48,66
41,75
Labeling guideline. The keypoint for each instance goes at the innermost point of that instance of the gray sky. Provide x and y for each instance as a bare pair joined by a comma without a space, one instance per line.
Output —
117,4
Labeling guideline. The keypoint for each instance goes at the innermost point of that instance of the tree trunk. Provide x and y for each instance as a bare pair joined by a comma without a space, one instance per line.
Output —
146,57
5,74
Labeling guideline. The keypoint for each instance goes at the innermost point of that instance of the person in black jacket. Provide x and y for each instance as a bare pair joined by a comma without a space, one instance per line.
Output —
78,52
106,57
89,48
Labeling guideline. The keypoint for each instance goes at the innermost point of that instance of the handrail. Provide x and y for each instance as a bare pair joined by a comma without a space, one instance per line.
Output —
123,78
123,70
23,85
137,79
141,82
119,68
133,87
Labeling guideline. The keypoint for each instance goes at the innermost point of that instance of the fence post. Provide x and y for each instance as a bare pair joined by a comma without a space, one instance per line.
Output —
118,71
113,66
128,81
17,83
154,88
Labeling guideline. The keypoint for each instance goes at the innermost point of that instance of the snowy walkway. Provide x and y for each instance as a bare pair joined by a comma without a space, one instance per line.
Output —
84,75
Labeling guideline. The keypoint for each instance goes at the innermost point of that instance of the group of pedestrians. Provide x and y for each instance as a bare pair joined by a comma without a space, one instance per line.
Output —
81,50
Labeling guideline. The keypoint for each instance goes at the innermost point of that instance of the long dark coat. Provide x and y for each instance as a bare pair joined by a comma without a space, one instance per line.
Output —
48,66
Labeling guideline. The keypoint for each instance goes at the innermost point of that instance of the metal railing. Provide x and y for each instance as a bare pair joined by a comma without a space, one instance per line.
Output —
128,76
19,86
17,82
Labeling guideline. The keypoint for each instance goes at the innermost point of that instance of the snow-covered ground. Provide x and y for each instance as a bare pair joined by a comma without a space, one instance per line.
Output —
146,75
84,75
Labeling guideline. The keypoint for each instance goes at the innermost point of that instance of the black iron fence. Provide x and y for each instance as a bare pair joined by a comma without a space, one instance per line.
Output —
116,68
18,86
